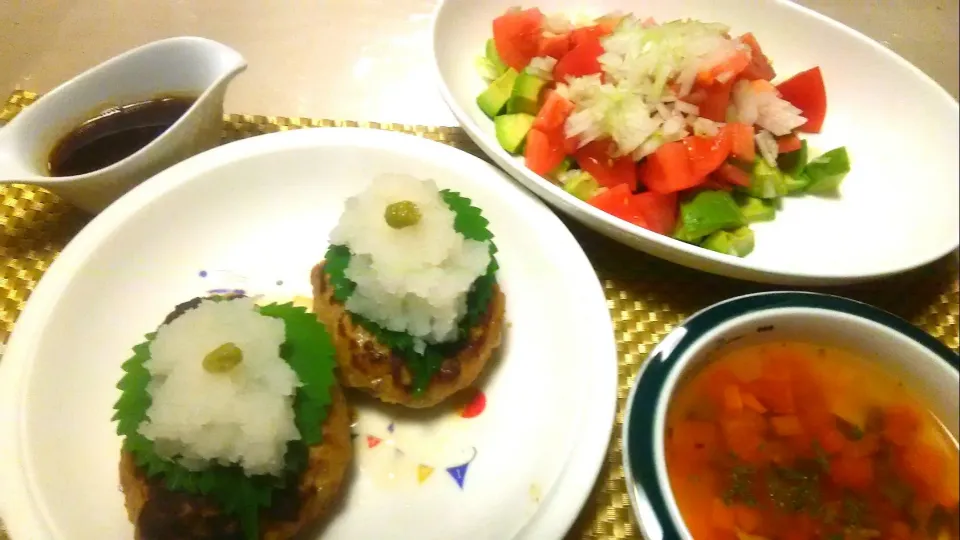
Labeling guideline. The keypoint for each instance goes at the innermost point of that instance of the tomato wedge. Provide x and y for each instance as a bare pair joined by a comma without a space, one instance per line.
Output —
555,46
713,184
788,143
806,92
726,70
543,152
617,201
580,61
667,170
554,112
715,100
732,175
516,35
759,66
742,146
659,211
706,154
586,34
597,159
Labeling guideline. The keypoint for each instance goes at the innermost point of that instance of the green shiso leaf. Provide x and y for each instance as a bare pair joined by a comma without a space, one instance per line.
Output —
470,223
309,352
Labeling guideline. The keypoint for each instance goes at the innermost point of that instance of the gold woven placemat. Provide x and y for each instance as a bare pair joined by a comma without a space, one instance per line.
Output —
647,296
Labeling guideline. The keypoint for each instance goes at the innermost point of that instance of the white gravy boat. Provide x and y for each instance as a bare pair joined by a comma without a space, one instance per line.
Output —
188,66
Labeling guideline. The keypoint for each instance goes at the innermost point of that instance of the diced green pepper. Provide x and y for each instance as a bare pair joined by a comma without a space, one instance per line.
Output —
525,96
494,58
512,129
766,181
581,185
706,212
492,100
738,243
754,209
792,163
827,171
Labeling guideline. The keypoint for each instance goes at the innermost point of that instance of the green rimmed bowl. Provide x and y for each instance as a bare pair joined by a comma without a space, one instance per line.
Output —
930,366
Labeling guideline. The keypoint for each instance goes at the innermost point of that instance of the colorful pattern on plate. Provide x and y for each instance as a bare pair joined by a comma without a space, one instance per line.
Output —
406,454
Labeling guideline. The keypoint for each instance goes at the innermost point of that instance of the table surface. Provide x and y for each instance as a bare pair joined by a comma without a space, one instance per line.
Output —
378,50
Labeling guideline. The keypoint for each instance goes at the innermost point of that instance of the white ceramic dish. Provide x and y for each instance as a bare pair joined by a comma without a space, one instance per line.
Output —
255,215
898,208
929,366
182,66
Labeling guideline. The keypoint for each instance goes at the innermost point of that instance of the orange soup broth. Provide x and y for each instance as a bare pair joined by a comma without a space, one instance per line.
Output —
797,441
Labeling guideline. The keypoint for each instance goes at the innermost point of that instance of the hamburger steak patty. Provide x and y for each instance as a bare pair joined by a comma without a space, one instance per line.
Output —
371,366
161,514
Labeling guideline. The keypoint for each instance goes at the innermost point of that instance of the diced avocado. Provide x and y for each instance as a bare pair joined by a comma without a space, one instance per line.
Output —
563,167
766,181
494,58
738,243
706,212
512,130
526,94
494,98
827,171
581,185
743,241
719,241
796,184
792,163
754,209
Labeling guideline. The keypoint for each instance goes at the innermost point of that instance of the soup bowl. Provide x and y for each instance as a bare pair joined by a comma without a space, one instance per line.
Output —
921,363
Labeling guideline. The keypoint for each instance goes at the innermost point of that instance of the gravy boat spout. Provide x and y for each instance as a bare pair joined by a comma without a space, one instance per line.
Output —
187,67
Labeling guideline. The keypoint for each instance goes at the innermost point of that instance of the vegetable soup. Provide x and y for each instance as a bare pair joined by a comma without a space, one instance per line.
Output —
792,440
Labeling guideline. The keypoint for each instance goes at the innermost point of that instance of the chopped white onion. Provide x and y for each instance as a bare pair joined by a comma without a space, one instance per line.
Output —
768,147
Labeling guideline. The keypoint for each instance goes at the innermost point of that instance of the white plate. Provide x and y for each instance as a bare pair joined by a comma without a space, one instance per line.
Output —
255,215
898,208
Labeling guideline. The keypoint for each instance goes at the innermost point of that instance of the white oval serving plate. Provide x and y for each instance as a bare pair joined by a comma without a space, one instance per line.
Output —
899,207
255,215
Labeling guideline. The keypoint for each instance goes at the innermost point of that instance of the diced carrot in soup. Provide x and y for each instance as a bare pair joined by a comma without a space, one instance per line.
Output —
751,402
716,381
831,440
852,472
723,517
786,426
732,401
748,519
900,424
744,435
775,394
899,531
790,460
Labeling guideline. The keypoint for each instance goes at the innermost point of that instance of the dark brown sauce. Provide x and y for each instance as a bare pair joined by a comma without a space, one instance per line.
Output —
115,134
